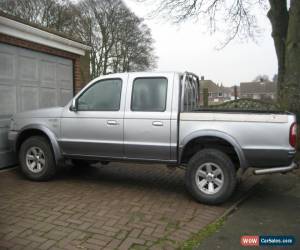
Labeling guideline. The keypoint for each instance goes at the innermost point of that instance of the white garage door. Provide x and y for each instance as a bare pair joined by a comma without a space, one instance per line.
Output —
30,80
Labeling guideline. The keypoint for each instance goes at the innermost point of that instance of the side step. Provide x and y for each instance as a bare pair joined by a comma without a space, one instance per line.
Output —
286,169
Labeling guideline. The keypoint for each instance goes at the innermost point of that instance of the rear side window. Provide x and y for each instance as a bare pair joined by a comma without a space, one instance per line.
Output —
104,95
149,94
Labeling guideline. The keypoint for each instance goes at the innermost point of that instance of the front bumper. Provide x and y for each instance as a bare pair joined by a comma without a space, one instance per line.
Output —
291,167
12,139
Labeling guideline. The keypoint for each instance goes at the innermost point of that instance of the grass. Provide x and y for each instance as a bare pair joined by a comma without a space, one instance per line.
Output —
136,216
198,237
170,227
194,240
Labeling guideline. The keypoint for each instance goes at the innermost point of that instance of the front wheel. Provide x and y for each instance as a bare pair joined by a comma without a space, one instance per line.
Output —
210,176
36,159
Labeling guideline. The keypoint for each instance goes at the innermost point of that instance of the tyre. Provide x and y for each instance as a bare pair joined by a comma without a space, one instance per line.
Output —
210,176
36,159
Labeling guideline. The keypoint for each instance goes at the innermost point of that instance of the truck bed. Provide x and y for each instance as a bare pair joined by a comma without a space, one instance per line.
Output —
263,137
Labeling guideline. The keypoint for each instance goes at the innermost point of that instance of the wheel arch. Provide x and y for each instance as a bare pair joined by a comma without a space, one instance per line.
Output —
211,139
37,129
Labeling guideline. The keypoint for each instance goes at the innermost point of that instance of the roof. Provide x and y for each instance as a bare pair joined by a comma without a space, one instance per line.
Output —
228,90
210,85
16,27
258,87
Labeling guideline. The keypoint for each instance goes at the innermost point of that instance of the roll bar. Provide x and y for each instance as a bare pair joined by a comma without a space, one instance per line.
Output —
194,85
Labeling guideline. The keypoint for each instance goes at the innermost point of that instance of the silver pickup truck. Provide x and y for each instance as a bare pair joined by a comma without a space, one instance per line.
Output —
155,118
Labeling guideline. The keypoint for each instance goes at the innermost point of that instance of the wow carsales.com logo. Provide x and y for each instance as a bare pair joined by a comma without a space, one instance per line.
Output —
255,240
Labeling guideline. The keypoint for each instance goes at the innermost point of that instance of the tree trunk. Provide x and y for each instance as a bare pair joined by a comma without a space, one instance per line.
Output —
291,90
279,17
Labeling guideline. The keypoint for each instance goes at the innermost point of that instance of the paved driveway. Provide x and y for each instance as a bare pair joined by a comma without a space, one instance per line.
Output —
119,206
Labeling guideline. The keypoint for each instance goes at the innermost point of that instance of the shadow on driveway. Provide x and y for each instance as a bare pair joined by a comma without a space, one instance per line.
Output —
273,209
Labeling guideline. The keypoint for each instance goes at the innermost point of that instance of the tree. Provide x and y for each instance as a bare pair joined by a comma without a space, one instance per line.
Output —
120,40
240,20
54,14
261,78
275,78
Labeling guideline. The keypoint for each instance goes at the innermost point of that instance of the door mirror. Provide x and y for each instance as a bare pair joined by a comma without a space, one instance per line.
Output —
74,105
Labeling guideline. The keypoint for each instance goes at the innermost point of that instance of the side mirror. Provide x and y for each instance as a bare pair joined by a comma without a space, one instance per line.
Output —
74,105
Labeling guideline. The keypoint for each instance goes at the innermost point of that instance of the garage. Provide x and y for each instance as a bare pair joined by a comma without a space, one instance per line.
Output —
38,69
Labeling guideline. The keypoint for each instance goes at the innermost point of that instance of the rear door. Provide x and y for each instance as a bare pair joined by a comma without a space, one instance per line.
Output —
147,119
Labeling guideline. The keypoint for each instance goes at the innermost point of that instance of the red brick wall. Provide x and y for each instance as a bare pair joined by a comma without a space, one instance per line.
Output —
78,83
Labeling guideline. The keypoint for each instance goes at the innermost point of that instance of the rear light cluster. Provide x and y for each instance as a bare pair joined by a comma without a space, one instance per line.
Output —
293,134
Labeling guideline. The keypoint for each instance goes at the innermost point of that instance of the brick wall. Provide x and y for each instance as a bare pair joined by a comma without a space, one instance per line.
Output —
78,81
85,75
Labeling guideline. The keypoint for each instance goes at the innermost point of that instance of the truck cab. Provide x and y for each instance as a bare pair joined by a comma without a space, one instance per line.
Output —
124,116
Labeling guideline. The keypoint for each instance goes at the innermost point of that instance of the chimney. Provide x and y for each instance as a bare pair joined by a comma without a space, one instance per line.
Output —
202,78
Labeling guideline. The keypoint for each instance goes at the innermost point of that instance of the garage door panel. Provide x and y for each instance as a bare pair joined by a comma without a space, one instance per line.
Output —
29,98
48,74
65,95
64,75
65,61
7,65
8,100
28,69
30,80
48,97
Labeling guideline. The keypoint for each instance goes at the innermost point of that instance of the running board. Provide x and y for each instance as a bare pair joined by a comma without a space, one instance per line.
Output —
286,169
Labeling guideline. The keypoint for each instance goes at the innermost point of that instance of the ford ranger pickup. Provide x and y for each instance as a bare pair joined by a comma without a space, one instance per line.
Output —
155,118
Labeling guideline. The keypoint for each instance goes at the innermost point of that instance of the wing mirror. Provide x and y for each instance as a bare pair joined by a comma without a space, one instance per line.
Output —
74,105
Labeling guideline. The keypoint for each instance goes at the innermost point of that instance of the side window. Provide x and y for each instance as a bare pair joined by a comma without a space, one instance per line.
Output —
103,95
149,94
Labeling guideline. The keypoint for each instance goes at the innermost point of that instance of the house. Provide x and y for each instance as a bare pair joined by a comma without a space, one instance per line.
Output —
216,93
260,90
39,68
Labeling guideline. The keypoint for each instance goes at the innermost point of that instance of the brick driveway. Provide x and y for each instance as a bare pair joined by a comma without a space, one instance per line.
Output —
119,206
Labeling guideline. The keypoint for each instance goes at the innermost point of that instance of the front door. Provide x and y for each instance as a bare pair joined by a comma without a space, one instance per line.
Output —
147,117
96,128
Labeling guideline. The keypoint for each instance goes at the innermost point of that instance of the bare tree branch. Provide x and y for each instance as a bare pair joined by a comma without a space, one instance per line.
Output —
237,17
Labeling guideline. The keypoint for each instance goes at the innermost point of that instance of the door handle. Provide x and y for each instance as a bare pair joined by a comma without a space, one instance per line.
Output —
112,122
157,123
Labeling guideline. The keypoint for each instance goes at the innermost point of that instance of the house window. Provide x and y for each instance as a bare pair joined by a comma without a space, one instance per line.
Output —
209,94
220,94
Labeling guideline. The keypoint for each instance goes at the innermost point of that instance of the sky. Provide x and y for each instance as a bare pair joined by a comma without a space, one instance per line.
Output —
189,46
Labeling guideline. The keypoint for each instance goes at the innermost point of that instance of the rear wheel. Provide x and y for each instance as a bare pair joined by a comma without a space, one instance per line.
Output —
36,159
210,176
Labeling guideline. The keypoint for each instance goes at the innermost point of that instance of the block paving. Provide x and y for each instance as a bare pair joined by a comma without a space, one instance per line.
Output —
118,206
